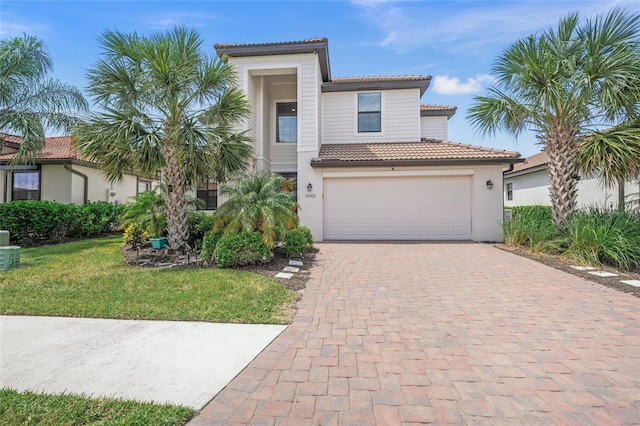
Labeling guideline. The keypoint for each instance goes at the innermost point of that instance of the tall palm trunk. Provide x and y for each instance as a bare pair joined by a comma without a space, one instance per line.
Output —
561,149
176,200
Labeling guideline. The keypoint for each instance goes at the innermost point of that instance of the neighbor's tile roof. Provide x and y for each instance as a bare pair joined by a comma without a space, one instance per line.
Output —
427,149
281,43
536,160
376,79
6,137
55,148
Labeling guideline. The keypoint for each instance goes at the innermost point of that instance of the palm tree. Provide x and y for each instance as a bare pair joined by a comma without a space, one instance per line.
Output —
29,102
258,203
562,84
165,106
614,154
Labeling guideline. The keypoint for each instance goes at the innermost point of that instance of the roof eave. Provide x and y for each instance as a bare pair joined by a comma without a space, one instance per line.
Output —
521,172
445,112
318,163
376,85
319,47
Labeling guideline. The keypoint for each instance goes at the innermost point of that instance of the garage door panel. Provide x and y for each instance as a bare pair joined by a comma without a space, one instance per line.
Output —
403,208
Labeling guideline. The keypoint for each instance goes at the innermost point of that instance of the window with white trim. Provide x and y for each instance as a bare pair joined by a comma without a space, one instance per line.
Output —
369,112
510,191
26,185
286,122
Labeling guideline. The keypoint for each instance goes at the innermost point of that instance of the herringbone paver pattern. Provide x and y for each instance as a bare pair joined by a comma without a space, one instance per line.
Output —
443,333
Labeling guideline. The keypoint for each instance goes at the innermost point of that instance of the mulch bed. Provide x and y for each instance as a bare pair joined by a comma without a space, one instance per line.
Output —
148,257
563,264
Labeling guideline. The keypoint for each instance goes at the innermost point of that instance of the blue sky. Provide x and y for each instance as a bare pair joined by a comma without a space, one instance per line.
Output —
455,42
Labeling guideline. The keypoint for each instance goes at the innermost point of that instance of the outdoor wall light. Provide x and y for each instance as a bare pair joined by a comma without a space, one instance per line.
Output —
309,187
489,184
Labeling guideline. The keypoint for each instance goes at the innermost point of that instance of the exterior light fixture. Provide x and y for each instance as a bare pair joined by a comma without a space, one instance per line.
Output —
489,184
309,187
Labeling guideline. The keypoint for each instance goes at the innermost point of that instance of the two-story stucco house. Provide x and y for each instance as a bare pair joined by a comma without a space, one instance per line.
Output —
370,161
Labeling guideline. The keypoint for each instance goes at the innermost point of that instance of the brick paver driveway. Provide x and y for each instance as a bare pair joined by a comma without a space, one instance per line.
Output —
443,333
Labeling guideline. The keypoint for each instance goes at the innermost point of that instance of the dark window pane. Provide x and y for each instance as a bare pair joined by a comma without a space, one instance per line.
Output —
287,122
26,186
209,195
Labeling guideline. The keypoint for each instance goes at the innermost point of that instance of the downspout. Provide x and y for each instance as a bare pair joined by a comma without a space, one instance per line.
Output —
5,189
83,176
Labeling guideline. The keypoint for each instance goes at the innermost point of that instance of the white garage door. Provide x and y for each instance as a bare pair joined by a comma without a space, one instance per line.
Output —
397,208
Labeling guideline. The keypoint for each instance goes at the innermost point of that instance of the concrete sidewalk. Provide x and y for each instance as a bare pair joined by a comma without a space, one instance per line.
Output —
184,363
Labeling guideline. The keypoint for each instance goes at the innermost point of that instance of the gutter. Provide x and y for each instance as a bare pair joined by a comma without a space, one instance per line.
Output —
84,177
315,163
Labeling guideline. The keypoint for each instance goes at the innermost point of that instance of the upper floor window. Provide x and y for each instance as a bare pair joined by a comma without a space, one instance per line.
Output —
26,185
510,191
287,122
369,115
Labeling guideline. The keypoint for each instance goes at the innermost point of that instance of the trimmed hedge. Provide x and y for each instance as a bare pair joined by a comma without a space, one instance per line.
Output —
297,241
32,223
245,248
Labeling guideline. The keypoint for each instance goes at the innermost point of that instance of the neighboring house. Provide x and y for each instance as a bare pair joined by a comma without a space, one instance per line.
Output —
369,160
59,174
528,184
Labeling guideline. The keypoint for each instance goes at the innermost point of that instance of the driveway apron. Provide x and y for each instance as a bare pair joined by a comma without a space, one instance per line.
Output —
443,333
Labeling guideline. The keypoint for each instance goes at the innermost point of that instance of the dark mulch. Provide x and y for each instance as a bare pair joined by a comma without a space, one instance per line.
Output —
148,257
563,264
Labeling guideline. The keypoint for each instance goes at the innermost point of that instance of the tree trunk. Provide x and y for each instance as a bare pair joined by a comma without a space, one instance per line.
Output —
621,195
177,228
561,150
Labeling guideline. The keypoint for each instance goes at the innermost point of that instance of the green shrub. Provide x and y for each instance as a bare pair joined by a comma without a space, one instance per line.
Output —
134,235
600,236
209,243
530,226
44,222
241,249
199,224
297,241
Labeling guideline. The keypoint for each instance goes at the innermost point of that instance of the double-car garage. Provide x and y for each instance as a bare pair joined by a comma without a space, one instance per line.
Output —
397,208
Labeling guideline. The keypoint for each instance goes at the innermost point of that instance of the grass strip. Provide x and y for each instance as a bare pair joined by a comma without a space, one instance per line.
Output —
30,408
90,279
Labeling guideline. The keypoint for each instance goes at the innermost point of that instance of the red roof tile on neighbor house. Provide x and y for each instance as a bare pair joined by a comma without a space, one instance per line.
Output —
6,137
535,160
55,148
427,150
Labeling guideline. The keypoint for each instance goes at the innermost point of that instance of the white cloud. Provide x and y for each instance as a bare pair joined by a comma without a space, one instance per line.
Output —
445,85
13,29
467,26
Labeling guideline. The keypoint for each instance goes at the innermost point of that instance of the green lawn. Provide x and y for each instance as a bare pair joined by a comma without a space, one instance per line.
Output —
90,279
28,408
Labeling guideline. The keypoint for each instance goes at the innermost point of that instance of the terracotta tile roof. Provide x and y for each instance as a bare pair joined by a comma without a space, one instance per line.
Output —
376,79
427,150
434,107
55,148
6,137
536,160
280,43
